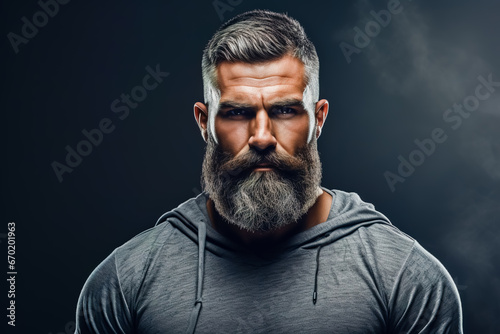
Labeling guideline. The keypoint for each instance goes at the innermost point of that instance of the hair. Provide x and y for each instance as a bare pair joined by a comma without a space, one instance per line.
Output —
254,37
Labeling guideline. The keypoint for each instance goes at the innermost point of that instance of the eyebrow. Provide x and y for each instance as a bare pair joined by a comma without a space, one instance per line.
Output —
234,105
289,103
280,103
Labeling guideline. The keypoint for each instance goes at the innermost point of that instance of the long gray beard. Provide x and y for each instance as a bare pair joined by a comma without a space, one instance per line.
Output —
262,201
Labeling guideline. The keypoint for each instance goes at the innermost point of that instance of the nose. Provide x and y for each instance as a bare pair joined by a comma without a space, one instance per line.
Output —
262,137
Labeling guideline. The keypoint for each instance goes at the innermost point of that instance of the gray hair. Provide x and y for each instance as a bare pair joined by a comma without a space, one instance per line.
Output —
259,36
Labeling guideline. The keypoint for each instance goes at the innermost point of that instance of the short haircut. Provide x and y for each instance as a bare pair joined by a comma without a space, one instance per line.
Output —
254,37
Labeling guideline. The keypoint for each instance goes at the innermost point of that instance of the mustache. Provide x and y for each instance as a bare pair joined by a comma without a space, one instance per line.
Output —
252,158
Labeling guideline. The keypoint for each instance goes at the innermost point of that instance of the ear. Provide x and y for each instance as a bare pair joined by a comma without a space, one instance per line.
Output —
201,116
321,113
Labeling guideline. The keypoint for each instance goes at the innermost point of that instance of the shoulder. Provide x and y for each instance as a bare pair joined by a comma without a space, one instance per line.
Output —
382,247
140,247
116,280
127,262
396,255
387,240
424,296
421,267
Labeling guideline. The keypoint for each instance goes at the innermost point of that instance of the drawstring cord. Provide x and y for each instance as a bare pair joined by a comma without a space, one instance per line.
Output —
315,292
195,313
202,241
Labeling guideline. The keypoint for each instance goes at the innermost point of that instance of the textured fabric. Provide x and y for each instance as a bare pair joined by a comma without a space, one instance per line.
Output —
369,277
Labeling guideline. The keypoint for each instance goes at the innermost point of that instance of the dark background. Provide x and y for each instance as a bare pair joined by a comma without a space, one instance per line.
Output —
394,91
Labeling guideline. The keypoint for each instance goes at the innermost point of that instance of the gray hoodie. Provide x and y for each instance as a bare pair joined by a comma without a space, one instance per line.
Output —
354,273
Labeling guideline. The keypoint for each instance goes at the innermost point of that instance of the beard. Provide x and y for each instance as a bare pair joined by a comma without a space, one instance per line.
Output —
262,201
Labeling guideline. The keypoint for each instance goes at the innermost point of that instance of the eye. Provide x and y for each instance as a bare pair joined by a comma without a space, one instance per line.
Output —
283,112
236,113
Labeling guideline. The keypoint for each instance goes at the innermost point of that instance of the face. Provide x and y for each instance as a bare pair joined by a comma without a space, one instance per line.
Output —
261,106
262,174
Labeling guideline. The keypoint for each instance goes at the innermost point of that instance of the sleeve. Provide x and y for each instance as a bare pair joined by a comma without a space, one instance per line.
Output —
424,298
102,307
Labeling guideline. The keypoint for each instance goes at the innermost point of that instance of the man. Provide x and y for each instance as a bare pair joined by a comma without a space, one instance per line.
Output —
266,249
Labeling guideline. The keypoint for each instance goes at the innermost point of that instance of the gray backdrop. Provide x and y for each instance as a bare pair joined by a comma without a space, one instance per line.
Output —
396,76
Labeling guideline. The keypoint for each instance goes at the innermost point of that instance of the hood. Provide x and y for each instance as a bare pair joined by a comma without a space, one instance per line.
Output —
347,214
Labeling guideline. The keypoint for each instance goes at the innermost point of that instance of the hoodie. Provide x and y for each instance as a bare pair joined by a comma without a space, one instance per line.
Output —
354,273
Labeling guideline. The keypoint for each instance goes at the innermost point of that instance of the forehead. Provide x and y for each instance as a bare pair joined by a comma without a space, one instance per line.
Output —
268,80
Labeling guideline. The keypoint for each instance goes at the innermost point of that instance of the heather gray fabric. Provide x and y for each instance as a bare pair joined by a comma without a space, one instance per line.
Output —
354,273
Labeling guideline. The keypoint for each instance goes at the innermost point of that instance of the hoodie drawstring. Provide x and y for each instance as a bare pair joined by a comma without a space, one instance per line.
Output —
202,241
315,292
195,313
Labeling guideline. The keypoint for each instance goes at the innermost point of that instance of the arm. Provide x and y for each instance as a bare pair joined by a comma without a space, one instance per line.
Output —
102,307
424,298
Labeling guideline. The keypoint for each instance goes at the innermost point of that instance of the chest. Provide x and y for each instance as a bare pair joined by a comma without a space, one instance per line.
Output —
271,298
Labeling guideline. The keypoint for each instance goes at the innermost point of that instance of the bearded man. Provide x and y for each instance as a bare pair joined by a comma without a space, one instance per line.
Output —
265,248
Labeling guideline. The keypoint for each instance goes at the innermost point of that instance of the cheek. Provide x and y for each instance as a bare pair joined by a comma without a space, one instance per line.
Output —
232,136
292,134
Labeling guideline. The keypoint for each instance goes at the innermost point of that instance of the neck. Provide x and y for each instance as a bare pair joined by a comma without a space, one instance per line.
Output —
317,214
